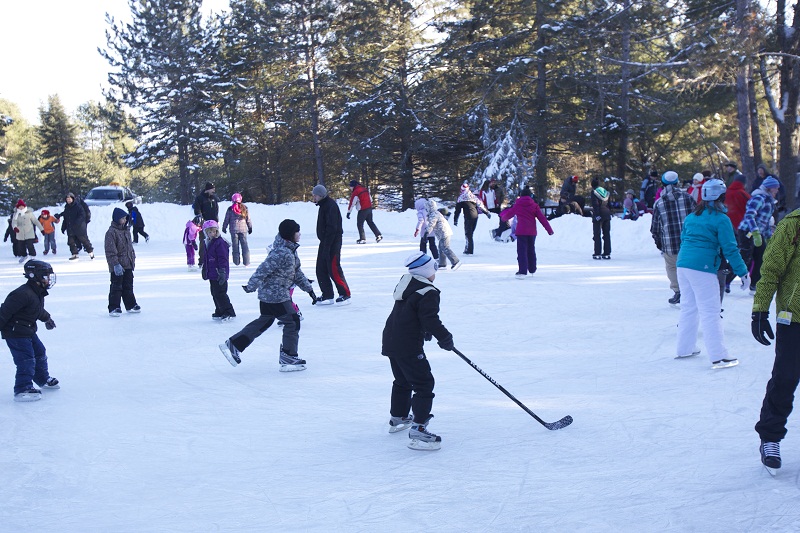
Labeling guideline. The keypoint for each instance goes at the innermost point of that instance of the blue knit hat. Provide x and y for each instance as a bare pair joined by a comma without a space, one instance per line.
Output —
770,183
421,264
118,214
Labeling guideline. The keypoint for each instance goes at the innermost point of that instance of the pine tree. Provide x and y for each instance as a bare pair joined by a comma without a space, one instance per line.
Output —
61,153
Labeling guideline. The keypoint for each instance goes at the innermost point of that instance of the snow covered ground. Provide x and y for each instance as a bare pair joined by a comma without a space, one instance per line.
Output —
153,430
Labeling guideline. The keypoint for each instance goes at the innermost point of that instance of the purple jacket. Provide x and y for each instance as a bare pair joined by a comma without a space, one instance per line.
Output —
526,211
217,251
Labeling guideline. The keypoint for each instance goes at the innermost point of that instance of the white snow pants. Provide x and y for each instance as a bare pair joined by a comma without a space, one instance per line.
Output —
700,304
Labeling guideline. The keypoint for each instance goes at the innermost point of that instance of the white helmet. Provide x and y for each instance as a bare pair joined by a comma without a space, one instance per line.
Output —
713,189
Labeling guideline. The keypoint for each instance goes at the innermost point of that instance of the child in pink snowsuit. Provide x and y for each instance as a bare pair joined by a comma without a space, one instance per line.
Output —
190,239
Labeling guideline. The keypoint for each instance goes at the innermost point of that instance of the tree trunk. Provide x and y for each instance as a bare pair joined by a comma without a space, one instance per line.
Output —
758,158
540,124
624,104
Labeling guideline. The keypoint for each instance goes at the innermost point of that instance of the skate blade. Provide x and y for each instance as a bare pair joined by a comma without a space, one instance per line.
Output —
693,354
725,365
28,398
292,368
772,471
398,428
421,445
228,355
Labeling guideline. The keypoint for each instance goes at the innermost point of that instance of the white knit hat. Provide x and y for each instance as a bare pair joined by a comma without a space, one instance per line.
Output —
421,264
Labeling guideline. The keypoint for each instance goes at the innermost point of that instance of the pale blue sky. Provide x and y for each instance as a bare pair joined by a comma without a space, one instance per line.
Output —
50,47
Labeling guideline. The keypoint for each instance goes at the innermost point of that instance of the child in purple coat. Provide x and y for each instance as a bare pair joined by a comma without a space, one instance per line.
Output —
527,212
190,239
216,269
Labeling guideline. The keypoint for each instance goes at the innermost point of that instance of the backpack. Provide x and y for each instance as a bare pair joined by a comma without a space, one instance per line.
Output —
86,210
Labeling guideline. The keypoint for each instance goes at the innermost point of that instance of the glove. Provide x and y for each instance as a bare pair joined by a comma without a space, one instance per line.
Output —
221,276
118,270
16,230
348,215
447,343
455,222
757,239
760,326
63,229
247,289
249,231
428,336
489,216
745,282
313,297
416,233
224,230
310,281
50,324
194,245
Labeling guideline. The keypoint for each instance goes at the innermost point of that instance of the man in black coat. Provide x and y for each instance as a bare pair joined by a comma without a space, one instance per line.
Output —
20,311
329,233
207,206
74,226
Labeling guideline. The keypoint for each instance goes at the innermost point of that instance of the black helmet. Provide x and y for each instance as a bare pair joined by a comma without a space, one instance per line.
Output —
40,271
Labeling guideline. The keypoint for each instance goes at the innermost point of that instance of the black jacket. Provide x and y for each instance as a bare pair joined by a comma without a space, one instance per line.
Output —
600,208
207,206
21,309
415,312
329,222
74,219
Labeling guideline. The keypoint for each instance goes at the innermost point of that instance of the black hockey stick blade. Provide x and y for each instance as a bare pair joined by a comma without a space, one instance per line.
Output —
552,426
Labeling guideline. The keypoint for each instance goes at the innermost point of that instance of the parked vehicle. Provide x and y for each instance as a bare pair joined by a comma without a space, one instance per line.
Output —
111,194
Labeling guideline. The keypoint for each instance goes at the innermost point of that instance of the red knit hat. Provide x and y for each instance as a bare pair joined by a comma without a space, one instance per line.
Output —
21,203
45,212
575,179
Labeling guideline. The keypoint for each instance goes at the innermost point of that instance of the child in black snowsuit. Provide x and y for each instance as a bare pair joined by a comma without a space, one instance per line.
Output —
414,319
18,315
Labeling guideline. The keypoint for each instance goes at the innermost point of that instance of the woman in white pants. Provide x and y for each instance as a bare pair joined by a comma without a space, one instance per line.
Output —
707,233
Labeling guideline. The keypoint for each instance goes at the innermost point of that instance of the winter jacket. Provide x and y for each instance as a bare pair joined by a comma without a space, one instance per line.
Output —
24,221
329,223
736,198
415,312
21,309
190,233
216,259
780,270
470,204
136,218
207,206
600,208
703,237
758,212
279,272
527,212
568,189
669,213
119,247
239,223
647,192
48,224
421,205
438,226
74,219
361,195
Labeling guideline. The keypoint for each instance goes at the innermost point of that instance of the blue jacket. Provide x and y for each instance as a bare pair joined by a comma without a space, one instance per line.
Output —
758,213
703,237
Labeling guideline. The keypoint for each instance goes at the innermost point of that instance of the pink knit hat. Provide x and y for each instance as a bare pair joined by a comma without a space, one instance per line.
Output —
236,197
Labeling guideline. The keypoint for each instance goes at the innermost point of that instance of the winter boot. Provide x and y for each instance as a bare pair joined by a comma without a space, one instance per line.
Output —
421,438
675,299
343,300
51,383
29,395
770,455
291,363
230,352
399,423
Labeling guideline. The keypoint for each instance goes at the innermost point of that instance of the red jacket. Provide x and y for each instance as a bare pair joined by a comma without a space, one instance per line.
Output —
736,199
364,199
526,211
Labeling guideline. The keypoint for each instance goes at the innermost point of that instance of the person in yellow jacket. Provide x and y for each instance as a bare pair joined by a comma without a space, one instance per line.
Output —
780,277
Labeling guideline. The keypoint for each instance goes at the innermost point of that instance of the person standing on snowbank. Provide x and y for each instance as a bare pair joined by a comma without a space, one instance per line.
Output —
414,318
329,253
780,277
527,212
669,212
706,232
20,311
121,259
362,201
274,280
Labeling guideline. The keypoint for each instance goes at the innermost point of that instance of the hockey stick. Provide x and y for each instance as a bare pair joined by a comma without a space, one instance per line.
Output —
564,422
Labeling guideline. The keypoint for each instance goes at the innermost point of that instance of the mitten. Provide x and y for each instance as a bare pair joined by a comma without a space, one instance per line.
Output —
428,336
50,323
757,239
194,245
247,289
313,297
16,230
249,231
348,215
416,232
118,270
488,215
760,327
447,343
745,282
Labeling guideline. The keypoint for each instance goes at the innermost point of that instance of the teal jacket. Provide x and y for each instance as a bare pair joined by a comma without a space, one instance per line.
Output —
703,237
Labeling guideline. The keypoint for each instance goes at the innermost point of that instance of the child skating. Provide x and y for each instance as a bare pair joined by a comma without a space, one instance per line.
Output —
414,318
216,270
193,228
274,279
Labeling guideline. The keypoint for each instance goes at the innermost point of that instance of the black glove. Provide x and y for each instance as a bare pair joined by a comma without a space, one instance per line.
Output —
224,230
194,245
249,231
63,229
50,323
760,327
447,343
313,297
348,215
428,336
221,277
247,289
310,281
488,215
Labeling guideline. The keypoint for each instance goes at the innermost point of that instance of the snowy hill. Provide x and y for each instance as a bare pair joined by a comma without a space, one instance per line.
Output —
153,430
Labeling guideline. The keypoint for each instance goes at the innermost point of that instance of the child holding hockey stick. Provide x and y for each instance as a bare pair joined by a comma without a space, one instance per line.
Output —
414,319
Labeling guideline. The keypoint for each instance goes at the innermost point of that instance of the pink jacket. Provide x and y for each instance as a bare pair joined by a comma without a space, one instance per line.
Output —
526,211
190,233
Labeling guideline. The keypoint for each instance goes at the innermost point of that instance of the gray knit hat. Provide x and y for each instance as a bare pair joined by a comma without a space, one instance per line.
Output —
319,190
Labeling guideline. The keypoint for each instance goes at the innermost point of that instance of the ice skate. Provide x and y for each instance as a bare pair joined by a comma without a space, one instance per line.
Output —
724,363
770,456
399,423
114,313
51,383
694,353
343,300
676,299
230,352
422,439
30,395
291,363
